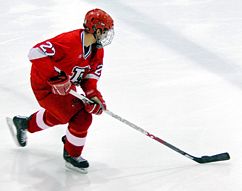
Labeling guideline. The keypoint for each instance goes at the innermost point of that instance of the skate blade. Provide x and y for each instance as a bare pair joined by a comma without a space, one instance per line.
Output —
69,166
12,129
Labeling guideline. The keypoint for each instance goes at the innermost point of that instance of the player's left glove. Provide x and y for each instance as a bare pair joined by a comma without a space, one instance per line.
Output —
98,105
60,84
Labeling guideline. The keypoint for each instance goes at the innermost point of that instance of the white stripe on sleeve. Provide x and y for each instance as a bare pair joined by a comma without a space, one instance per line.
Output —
36,53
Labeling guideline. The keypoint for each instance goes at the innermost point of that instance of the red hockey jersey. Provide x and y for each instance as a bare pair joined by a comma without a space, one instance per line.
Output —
65,52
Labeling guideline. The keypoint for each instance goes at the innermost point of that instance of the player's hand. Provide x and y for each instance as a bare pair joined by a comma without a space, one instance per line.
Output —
98,105
60,84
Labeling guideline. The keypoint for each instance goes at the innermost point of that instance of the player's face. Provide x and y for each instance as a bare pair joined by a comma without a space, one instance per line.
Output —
104,37
100,35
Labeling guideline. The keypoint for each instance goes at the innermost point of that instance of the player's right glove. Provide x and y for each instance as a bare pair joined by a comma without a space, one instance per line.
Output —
60,84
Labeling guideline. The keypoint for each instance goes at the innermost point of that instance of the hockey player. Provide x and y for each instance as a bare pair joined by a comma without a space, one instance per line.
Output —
60,64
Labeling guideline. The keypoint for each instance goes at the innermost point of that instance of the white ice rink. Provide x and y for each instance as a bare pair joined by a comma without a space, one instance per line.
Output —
174,68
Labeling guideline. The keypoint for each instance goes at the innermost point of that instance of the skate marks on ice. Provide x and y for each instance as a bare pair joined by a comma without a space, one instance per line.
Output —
41,170
142,177
10,40
45,170
36,170
166,36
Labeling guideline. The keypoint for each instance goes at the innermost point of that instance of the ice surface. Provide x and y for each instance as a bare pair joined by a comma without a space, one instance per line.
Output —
174,68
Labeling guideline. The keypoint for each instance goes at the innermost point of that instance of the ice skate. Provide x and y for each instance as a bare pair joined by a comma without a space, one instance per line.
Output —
78,164
18,128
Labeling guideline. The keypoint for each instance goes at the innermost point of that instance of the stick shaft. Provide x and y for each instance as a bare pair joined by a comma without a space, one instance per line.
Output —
130,124
148,134
204,159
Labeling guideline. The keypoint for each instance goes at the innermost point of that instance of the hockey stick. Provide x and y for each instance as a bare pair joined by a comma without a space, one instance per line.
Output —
203,159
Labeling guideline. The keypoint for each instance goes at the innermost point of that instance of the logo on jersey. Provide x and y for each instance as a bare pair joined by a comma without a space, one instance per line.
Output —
78,74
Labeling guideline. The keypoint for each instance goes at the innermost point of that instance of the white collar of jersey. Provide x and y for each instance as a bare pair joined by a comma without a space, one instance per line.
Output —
85,55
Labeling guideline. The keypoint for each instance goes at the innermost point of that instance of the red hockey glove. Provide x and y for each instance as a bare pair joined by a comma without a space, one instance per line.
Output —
60,84
98,104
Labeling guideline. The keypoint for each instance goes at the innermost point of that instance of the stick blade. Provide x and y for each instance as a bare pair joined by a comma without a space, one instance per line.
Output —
213,158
